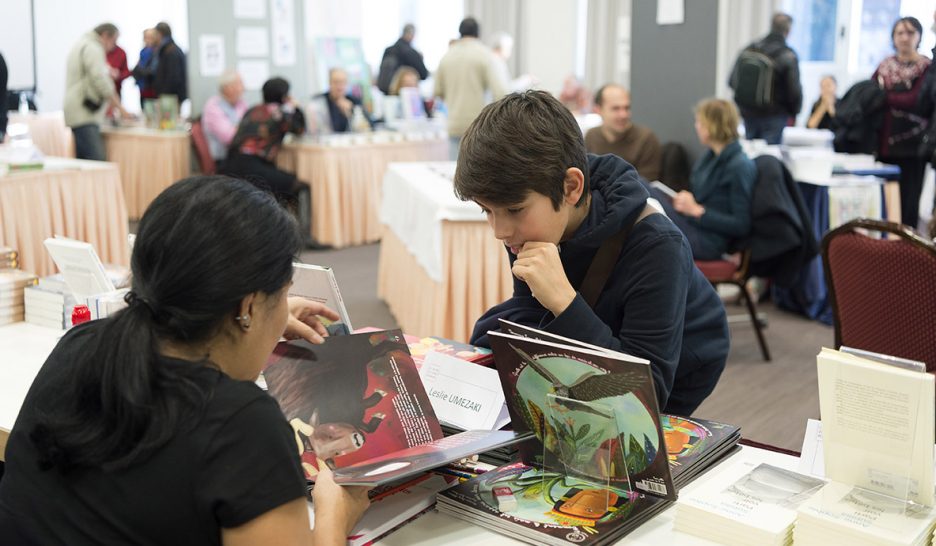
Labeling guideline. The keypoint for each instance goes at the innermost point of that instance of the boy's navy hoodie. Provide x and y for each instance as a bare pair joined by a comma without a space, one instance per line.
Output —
655,305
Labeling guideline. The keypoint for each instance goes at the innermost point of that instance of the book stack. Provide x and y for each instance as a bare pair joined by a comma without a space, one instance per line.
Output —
9,258
746,504
49,303
12,283
695,445
850,515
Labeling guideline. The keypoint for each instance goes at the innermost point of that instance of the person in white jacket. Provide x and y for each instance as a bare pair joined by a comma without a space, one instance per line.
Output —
89,89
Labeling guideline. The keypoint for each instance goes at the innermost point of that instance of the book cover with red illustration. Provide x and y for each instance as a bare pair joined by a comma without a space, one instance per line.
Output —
351,398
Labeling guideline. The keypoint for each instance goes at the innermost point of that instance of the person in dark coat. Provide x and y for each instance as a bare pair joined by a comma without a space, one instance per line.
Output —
767,121
400,54
523,160
170,75
3,94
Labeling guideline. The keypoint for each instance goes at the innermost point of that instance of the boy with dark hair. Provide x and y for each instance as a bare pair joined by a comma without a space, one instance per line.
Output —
624,278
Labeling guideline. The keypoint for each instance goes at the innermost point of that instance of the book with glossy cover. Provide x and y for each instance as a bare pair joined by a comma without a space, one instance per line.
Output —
351,398
532,369
552,508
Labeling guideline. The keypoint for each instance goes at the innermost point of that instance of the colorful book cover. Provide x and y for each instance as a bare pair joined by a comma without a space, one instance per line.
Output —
419,347
421,458
550,506
690,440
532,369
351,398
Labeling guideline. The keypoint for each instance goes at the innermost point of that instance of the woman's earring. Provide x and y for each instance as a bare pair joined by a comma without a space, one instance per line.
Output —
244,321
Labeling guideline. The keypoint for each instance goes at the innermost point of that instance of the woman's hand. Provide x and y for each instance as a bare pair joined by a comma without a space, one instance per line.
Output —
337,508
685,203
304,320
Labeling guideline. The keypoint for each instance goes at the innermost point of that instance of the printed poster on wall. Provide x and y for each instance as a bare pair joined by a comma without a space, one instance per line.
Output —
282,17
249,9
252,42
211,55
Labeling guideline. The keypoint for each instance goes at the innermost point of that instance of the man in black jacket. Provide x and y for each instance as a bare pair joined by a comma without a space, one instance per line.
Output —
170,77
3,96
786,95
400,54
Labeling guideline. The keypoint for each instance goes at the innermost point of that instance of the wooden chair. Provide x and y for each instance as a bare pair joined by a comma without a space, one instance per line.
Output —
728,272
202,151
882,291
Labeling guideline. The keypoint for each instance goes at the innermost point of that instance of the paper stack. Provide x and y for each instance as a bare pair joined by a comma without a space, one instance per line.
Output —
49,303
844,514
745,505
12,283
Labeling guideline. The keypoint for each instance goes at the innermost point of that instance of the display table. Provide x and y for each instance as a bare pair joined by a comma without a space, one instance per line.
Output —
48,132
25,348
832,203
346,182
78,199
150,161
440,266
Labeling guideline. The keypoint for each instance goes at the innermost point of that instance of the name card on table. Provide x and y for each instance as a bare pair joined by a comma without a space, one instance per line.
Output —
464,395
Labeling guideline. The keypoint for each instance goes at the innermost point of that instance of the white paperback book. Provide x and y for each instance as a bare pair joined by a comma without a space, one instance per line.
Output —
854,515
877,425
318,283
744,502
80,266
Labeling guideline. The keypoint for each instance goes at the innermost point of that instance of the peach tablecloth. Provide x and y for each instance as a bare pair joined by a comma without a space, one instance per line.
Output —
79,199
150,161
475,273
346,183
48,132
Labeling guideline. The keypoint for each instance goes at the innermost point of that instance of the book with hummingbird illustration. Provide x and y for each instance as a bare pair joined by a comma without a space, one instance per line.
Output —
611,386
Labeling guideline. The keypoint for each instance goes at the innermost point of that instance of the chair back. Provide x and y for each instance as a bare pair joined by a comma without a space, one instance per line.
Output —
202,151
882,291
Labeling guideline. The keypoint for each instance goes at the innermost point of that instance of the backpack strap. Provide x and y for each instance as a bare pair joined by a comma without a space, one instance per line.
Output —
605,259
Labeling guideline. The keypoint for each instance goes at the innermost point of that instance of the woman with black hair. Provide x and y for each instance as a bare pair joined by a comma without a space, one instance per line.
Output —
901,76
253,150
146,427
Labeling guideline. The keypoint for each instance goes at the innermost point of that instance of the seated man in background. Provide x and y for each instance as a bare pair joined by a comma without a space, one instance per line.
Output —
340,103
252,155
618,135
523,160
223,113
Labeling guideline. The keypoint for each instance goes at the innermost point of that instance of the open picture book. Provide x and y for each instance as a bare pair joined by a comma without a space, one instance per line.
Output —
356,403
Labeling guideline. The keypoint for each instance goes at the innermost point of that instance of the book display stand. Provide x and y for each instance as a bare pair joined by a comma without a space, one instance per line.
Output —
581,448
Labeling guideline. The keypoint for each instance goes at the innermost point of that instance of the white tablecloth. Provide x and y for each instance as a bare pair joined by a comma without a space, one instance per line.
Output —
417,198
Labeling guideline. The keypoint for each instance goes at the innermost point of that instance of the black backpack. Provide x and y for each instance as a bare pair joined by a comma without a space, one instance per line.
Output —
858,118
388,67
753,79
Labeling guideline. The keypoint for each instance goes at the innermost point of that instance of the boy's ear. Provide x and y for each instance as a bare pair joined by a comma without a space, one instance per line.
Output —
573,185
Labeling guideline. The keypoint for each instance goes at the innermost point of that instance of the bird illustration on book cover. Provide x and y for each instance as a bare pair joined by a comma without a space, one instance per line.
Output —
630,452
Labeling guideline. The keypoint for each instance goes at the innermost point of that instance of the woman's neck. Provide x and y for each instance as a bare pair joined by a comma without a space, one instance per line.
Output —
907,56
717,147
